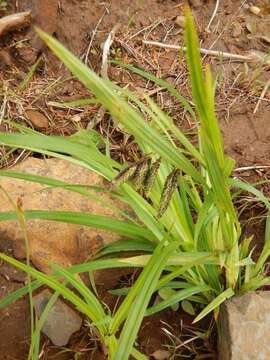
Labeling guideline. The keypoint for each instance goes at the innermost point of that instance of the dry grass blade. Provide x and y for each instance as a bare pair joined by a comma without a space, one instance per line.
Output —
86,56
212,17
266,86
104,73
252,56
106,51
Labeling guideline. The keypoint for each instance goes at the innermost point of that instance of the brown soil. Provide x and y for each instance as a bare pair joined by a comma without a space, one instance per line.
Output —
79,24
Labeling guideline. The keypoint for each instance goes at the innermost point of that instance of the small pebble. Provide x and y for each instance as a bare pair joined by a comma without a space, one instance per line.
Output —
236,30
180,21
61,322
76,118
39,121
161,355
255,10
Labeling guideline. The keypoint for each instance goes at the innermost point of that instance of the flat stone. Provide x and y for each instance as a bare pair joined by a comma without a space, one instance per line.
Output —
245,327
50,241
61,322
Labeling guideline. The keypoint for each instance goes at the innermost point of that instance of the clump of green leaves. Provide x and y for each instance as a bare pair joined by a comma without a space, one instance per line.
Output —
188,224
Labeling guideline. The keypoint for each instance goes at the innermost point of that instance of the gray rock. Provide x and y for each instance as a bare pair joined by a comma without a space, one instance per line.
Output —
244,327
61,322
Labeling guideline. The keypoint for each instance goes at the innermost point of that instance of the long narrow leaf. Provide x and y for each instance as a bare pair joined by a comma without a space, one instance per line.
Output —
215,304
143,289
119,108
96,221
50,281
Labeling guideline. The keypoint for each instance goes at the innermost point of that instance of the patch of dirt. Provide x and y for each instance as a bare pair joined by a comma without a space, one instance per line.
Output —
15,319
247,137
83,25
238,89
14,324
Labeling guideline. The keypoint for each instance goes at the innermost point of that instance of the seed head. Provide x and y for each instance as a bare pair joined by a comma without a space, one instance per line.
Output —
150,177
124,175
168,190
140,173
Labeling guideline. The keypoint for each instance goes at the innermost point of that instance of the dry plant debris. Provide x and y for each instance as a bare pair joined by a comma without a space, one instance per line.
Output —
14,21
253,56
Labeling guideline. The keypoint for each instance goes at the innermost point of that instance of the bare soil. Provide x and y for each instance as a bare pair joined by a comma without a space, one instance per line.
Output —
83,27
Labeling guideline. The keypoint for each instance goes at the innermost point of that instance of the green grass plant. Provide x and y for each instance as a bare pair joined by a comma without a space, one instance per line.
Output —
196,248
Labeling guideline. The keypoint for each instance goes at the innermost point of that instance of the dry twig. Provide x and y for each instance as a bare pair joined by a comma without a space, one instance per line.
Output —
207,29
92,38
106,51
266,86
104,73
253,167
251,56
14,21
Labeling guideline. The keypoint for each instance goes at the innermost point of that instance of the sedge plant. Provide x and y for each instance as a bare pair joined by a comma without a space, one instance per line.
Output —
194,250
